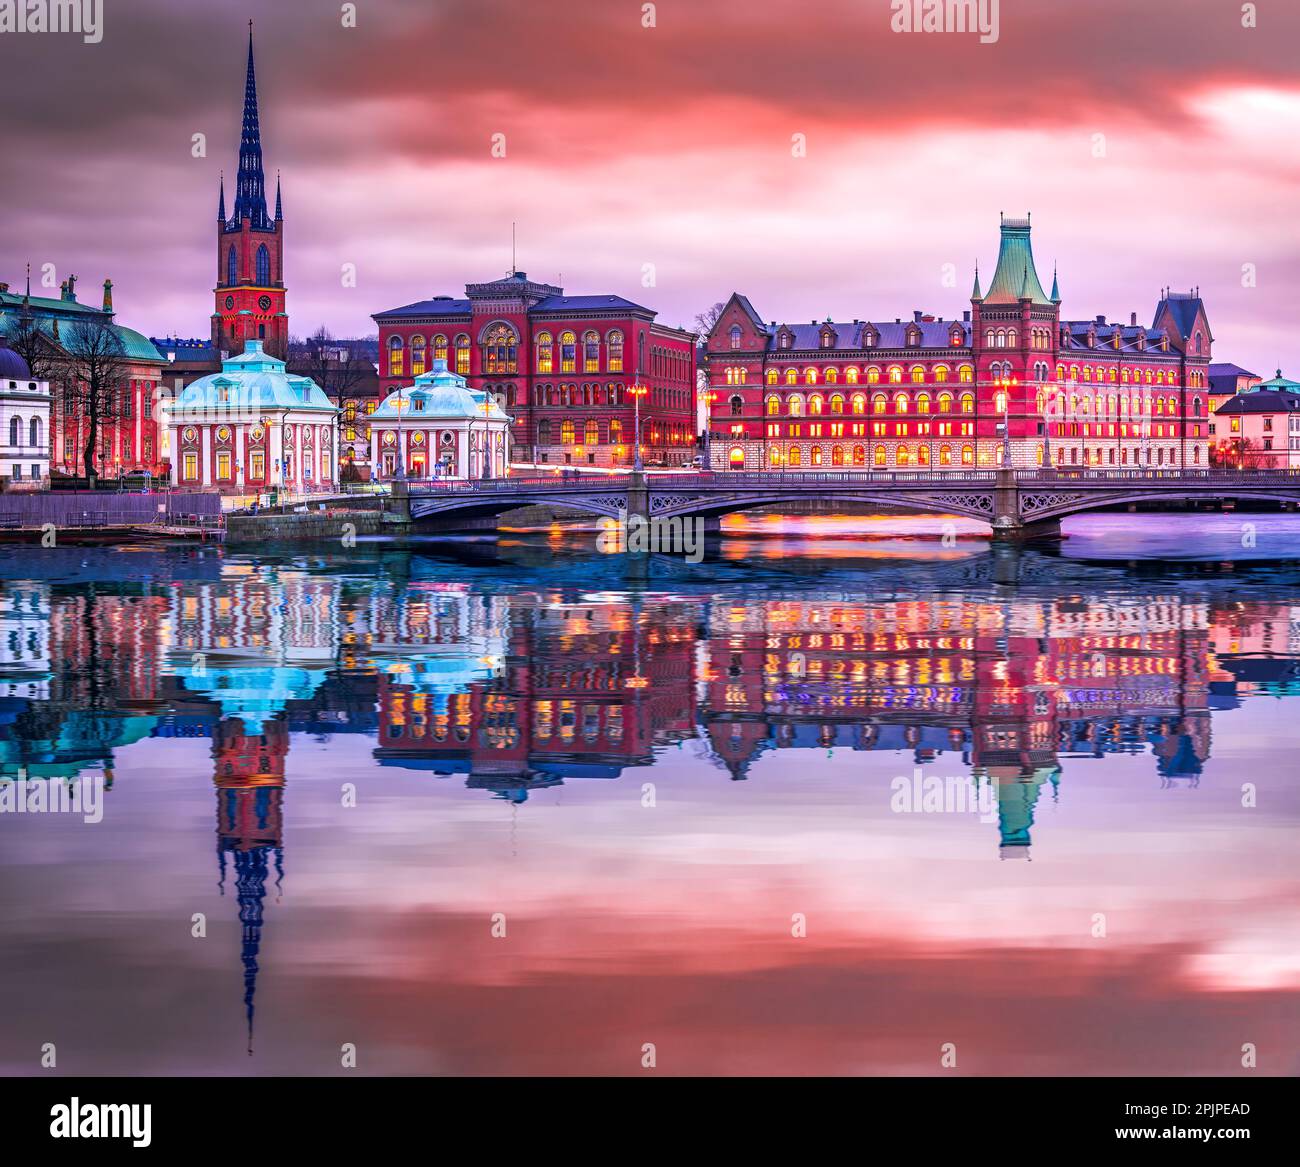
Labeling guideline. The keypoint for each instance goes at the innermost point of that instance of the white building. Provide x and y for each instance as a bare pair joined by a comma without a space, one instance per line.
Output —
254,427
24,422
439,428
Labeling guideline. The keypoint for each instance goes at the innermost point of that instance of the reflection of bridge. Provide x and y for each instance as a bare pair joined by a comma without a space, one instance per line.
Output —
1016,503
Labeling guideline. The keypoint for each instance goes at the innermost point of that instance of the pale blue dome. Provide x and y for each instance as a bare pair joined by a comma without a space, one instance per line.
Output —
439,395
251,382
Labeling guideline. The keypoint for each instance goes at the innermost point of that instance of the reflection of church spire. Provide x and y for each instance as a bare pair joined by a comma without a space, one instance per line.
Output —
1017,796
249,774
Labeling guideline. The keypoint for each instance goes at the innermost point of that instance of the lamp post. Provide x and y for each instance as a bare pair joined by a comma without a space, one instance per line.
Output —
1005,384
708,397
637,391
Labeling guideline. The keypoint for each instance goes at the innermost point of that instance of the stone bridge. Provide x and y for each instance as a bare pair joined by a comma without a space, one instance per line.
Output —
1017,504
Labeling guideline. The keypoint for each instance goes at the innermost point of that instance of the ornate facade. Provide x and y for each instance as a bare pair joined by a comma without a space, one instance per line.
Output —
1011,382
572,371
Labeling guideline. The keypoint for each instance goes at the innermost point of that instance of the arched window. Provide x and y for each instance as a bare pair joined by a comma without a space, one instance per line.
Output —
592,436
462,355
440,348
831,376
945,402
810,377
773,405
968,403
923,455
918,375
771,376
945,455
816,459
795,456
966,374
232,267
791,377
735,335
794,405
15,431
900,402
737,405
923,403
941,373
901,457
417,355
859,403
837,403
614,351
878,402
591,351
615,431
263,266
895,375
568,432
968,455
851,376
774,457
568,352
545,352
395,365
500,350
837,456
34,432
815,405
878,455
859,455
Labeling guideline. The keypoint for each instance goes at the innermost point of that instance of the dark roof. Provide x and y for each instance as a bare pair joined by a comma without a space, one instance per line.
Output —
1129,335
1224,369
438,306
934,334
585,303
1261,401
12,365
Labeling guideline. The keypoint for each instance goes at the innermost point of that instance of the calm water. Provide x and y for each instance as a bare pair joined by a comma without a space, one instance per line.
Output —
684,792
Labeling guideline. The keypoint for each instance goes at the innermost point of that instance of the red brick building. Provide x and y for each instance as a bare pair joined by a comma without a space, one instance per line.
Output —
1011,379
563,367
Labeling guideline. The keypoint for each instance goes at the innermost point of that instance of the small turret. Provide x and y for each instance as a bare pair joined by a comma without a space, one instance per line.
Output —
108,296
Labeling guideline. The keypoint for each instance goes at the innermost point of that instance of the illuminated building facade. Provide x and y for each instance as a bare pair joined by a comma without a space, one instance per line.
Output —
564,368
1011,382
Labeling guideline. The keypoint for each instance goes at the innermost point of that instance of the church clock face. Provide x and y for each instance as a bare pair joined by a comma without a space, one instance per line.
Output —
230,301
264,302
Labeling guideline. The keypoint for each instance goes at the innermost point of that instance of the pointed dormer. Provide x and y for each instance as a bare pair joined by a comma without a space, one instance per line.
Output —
784,337
870,335
956,334
913,335
827,337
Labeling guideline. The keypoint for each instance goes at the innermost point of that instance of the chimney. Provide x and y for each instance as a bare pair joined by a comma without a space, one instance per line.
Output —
916,315
1101,318
108,295
1134,319
4,287
966,316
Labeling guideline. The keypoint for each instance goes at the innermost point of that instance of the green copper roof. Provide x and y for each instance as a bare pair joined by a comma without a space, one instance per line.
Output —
1016,276
135,346
975,292
1277,383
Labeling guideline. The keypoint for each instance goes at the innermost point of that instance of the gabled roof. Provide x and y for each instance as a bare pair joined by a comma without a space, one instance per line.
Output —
438,306
1183,308
1267,401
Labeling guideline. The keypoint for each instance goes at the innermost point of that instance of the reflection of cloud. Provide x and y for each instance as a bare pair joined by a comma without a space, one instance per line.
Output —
648,139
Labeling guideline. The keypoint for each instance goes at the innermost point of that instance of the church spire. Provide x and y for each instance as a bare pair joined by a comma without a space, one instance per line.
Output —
975,292
221,203
1056,288
250,188
279,210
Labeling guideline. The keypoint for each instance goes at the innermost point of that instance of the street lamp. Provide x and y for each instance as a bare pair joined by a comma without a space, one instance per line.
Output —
708,397
1006,383
637,391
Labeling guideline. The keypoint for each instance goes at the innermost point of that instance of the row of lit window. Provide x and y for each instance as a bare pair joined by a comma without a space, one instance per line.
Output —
879,429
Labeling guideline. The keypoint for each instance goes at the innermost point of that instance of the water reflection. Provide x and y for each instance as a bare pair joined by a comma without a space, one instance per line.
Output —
507,687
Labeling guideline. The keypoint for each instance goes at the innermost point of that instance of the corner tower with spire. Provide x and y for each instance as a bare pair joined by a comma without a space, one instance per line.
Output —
250,294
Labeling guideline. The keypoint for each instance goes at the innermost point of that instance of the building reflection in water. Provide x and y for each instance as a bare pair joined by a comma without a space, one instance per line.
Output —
520,689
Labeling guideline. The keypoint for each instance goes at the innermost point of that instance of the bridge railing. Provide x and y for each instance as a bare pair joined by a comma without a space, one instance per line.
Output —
724,479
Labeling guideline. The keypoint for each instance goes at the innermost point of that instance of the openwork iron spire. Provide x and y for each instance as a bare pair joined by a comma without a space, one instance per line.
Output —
250,189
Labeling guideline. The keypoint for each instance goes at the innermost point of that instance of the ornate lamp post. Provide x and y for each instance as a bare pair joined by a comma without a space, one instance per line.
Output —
708,397
1005,384
637,391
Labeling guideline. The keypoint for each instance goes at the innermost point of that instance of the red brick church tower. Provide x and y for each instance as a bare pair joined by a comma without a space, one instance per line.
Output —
250,249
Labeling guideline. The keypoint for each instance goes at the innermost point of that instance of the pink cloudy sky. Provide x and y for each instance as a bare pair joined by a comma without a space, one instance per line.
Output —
671,147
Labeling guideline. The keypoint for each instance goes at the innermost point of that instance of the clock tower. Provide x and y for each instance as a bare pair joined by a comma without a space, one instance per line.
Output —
250,249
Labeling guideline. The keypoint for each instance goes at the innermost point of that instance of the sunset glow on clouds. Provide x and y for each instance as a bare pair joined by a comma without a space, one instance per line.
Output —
671,146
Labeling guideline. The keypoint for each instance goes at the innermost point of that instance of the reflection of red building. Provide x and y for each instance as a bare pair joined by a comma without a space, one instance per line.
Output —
583,692
248,770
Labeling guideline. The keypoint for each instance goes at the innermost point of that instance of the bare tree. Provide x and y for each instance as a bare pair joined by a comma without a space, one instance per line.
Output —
95,369
320,360
1242,454
704,321
31,342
